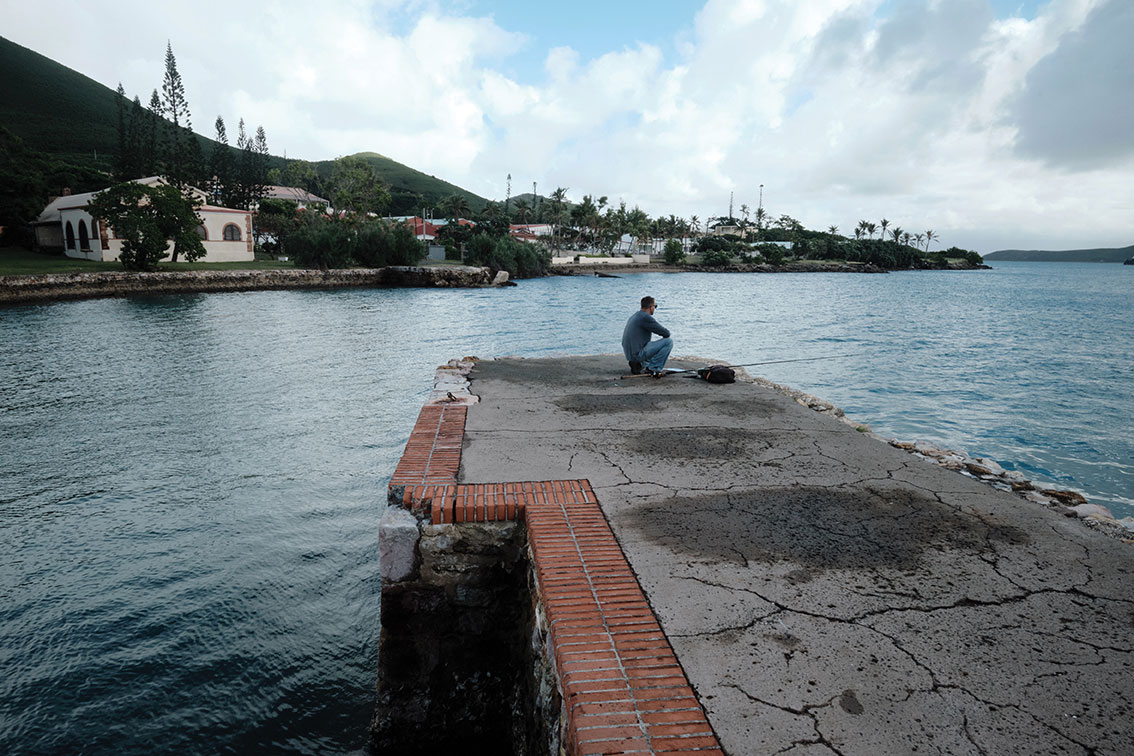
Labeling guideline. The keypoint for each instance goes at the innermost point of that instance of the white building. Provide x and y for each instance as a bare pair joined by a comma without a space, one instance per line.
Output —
65,223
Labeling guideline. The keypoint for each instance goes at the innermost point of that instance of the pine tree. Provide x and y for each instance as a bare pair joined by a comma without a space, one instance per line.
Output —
220,168
242,176
133,164
121,158
259,177
179,157
151,155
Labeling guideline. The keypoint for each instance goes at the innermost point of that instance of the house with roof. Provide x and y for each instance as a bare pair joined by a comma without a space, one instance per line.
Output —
301,197
65,224
425,229
529,232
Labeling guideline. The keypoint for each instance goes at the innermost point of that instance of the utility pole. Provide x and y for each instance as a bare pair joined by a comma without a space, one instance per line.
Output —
761,196
730,206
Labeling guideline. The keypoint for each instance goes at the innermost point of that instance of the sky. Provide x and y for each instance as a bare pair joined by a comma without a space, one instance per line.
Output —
996,123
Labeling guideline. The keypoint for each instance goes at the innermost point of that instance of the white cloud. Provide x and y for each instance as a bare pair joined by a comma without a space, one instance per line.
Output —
933,114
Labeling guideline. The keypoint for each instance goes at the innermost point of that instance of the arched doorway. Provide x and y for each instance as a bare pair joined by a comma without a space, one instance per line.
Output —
70,233
84,237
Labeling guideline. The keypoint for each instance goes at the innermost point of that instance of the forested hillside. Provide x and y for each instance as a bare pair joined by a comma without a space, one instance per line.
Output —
64,125
1105,255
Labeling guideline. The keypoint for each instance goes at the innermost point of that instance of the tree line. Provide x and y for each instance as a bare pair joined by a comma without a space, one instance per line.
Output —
158,140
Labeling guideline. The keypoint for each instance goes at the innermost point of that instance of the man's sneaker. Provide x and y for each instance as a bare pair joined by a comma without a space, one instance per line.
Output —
635,368
657,373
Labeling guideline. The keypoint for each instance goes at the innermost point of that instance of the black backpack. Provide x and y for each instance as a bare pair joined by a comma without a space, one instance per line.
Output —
717,374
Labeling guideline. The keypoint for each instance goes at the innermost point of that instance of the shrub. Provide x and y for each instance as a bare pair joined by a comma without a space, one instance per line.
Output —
502,253
773,253
324,246
674,252
716,257
379,244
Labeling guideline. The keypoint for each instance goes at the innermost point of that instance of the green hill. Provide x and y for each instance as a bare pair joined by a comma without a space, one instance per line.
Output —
56,110
1104,255
72,118
410,189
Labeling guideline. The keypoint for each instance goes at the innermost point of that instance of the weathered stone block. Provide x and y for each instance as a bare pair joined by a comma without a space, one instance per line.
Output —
398,536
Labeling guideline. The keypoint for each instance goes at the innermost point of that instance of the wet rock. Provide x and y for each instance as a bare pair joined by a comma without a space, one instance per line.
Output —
1070,498
982,466
1092,510
928,450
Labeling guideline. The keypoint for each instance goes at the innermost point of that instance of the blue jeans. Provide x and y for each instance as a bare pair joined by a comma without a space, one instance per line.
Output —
654,354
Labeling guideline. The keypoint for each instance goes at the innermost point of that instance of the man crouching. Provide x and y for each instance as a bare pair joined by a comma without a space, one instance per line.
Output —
641,353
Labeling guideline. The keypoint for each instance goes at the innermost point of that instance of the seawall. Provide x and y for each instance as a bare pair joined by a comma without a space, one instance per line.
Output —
577,564
51,287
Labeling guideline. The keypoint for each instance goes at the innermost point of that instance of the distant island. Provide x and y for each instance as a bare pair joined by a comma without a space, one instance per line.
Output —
1105,255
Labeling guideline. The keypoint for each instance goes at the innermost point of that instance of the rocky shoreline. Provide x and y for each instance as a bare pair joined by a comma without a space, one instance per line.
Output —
1067,503
584,269
54,287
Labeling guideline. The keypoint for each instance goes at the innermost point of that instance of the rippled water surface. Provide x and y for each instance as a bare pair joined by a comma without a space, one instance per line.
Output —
190,486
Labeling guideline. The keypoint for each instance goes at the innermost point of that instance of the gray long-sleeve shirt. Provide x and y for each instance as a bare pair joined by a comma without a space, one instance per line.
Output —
637,332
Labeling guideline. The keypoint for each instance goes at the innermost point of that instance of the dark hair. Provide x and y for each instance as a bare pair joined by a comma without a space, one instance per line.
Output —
647,301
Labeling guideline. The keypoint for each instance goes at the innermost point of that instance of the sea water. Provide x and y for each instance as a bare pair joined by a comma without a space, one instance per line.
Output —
190,485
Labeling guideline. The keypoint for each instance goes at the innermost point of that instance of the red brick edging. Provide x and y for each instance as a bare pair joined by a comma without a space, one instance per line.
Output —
623,689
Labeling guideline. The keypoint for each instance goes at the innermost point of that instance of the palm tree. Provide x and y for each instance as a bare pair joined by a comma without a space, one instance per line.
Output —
860,229
637,225
897,234
917,240
833,230
558,197
884,223
695,224
522,209
929,236
600,205
870,229
492,211
455,206
761,218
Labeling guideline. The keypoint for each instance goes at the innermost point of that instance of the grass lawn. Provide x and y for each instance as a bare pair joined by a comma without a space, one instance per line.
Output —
16,261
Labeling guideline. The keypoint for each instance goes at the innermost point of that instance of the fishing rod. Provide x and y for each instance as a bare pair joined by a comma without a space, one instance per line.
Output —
754,364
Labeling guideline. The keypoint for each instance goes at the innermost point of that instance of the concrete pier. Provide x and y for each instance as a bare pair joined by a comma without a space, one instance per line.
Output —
821,591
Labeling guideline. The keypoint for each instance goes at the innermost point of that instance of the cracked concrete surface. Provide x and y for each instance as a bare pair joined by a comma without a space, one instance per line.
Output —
825,592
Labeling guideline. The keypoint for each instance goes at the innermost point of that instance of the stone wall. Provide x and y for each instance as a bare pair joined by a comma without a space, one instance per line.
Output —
458,657
45,288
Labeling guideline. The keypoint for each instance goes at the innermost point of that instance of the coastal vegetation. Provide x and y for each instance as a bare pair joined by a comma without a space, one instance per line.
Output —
130,139
372,244
1104,255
